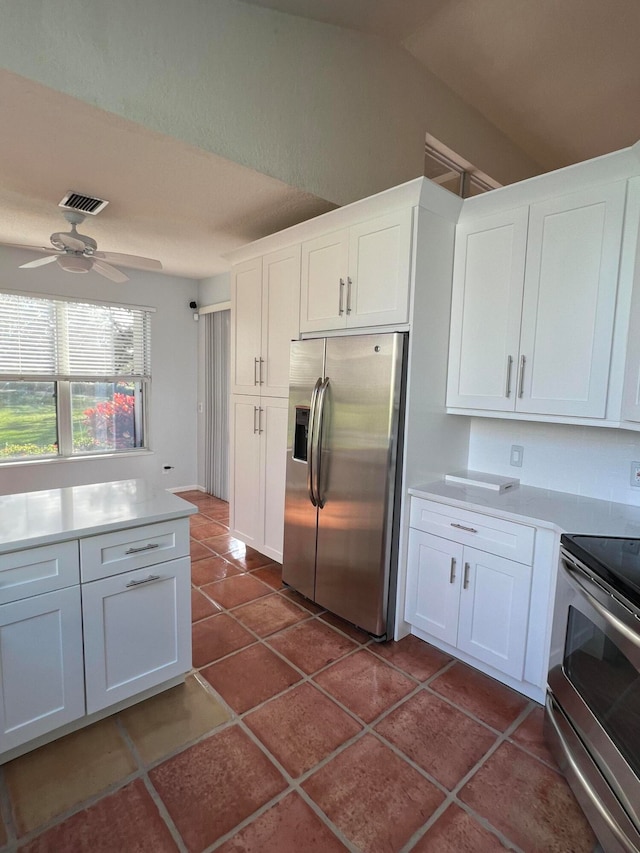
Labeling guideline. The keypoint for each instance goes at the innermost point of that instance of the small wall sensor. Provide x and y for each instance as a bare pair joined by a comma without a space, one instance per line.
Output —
194,307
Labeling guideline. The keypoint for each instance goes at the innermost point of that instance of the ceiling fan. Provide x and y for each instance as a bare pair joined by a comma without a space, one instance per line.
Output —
78,253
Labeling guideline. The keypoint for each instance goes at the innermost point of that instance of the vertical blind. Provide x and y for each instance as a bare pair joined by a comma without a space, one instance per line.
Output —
216,454
56,339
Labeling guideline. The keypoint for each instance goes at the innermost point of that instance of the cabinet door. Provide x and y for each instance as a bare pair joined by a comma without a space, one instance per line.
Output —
379,270
246,327
488,276
244,470
137,631
42,677
494,610
631,390
433,585
280,318
569,302
273,422
324,281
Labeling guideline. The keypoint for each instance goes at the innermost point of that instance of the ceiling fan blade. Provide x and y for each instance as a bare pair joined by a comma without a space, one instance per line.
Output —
39,262
135,261
109,272
48,249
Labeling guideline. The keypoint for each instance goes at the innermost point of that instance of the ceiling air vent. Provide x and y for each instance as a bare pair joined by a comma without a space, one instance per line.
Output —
82,203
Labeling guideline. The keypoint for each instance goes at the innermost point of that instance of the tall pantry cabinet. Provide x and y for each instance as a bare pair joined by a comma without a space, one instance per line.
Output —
265,300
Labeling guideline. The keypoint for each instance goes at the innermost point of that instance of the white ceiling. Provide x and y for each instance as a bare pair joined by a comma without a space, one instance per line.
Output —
167,200
561,78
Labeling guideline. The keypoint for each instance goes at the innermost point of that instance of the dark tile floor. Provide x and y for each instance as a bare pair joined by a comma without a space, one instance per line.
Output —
296,734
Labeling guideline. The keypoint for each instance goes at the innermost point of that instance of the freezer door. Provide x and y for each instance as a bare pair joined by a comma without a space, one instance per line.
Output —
300,514
359,448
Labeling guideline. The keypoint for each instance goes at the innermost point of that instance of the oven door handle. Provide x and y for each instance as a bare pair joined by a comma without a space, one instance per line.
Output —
584,782
581,581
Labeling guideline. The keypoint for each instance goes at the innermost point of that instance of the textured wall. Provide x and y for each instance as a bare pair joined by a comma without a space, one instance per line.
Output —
328,110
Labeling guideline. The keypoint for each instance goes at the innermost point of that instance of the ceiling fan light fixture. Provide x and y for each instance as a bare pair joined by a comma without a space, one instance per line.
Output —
75,263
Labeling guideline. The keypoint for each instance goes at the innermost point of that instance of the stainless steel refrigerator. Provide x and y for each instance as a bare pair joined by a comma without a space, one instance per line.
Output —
346,402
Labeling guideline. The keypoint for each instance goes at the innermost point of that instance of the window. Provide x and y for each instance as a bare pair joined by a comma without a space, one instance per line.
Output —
443,166
74,377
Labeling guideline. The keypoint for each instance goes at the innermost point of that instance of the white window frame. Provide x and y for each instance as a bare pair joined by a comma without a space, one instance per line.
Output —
62,388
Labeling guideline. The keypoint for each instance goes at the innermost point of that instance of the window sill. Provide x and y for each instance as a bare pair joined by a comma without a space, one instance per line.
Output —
123,454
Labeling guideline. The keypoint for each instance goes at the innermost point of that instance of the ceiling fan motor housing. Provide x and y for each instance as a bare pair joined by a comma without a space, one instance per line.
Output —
75,263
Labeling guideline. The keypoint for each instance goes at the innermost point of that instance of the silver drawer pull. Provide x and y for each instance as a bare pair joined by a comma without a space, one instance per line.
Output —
148,547
144,580
462,527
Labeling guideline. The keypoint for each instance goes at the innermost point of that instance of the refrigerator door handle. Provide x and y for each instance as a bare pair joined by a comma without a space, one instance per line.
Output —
318,441
310,435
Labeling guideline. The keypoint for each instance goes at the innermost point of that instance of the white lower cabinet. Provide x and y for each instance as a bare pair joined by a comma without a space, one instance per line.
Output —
469,599
41,675
258,471
69,652
137,631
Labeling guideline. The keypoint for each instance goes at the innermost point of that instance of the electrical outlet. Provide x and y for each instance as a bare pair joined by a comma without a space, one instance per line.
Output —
517,454
635,474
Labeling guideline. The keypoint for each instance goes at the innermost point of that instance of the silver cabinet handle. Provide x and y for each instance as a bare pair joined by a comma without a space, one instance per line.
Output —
255,413
467,569
144,580
509,366
521,377
149,547
341,300
260,379
452,573
349,283
256,381
462,527
260,411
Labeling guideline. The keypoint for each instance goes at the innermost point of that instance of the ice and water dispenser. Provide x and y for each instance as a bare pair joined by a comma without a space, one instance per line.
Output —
300,434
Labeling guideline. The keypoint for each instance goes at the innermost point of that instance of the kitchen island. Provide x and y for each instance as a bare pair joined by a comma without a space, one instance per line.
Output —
94,605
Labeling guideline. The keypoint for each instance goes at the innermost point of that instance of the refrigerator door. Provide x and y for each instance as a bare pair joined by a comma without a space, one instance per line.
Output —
300,513
360,420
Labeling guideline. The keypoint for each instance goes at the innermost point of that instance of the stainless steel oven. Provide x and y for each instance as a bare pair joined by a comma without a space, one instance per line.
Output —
592,720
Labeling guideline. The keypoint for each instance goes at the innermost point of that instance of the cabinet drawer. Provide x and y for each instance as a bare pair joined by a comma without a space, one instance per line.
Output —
124,550
494,535
37,570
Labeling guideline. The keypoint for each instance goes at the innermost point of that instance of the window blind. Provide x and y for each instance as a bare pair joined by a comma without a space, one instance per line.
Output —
57,339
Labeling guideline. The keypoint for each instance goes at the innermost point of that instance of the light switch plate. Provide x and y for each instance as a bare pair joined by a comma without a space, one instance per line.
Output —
517,453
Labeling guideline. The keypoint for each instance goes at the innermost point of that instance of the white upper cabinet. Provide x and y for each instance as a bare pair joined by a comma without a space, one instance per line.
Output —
280,318
324,281
358,277
265,305
486,308
570,286
534,306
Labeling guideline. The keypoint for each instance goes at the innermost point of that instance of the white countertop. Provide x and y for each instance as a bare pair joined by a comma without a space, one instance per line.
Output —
54,515
560,511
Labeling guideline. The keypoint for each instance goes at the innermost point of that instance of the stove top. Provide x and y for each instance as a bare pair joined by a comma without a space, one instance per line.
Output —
613,558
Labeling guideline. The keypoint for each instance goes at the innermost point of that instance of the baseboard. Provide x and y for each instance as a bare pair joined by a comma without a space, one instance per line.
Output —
187,489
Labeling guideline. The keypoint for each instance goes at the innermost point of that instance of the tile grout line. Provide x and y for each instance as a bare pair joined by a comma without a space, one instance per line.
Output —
146,781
